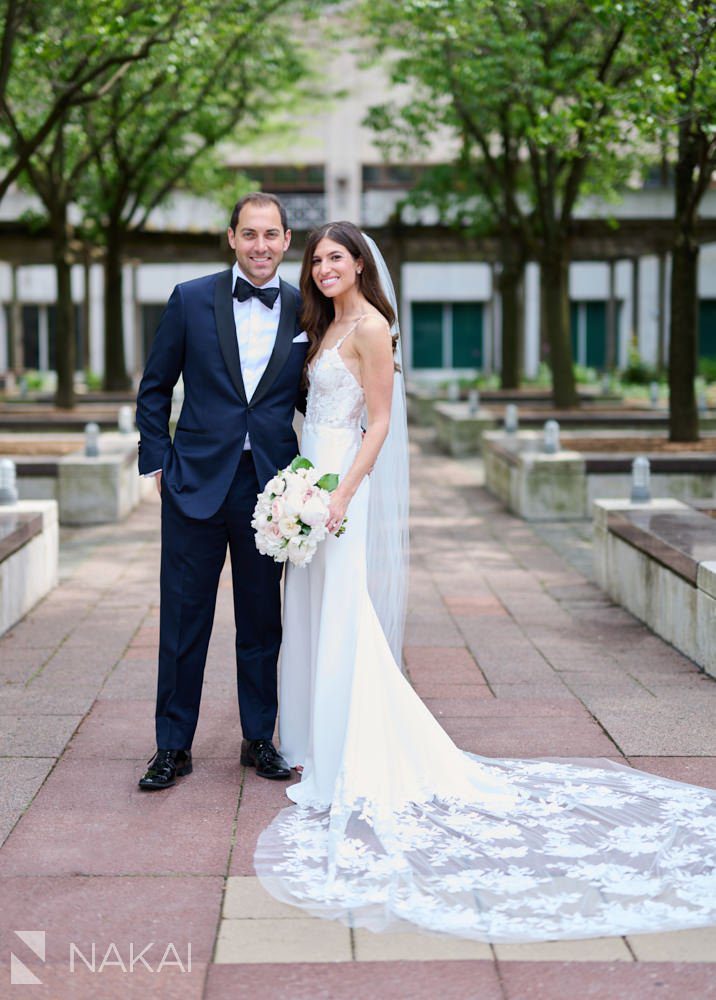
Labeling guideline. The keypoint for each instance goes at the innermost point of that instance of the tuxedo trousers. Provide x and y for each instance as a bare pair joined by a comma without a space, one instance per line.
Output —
193,555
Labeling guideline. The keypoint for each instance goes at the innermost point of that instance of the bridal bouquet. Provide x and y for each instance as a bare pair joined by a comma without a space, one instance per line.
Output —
290,515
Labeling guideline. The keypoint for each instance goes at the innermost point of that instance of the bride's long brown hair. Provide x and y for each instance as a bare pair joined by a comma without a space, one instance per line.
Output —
318,311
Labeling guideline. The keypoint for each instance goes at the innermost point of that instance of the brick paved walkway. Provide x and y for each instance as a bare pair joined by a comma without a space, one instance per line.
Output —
511,646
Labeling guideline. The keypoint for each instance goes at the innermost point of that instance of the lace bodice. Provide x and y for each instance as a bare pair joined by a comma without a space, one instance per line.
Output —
335,399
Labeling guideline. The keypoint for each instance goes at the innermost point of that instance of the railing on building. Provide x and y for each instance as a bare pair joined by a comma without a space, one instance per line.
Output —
305,210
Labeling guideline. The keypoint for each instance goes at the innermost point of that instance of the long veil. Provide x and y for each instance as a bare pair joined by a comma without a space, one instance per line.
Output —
388,540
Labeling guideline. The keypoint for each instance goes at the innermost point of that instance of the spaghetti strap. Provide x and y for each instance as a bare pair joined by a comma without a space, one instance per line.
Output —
339,343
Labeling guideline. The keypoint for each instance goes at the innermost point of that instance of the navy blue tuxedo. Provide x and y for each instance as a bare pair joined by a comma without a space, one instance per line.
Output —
196,337
209,487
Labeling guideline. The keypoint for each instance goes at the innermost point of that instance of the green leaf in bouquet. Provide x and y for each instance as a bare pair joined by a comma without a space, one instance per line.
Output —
342,529
328,482
300,462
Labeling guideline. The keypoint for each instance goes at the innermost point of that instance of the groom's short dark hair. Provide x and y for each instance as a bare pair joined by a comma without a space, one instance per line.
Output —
258,198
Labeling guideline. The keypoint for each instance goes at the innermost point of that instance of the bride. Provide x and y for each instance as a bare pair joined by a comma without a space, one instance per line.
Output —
392,822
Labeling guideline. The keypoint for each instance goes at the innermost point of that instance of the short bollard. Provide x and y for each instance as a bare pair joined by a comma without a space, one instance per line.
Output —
550,438
511,418
640,475
654,393
453,391
8,482
473,402
700,389
125,420
91,440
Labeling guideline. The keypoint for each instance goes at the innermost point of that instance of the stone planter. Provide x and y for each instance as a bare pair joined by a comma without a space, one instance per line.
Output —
88,490
658,560
29,550
540,487
420,404
458,431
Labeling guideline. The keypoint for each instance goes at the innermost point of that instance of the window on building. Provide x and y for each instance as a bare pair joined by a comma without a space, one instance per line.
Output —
51,361
588,321
391,175
278,178
151,314
447,334
707,328
9,351
31,336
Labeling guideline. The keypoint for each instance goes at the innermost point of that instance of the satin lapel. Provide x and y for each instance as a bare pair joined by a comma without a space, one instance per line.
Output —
226,329
282,347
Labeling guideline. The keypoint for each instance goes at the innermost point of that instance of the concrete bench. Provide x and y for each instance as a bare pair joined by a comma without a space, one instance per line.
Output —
88,490
563,486
29,549
460,432
658,560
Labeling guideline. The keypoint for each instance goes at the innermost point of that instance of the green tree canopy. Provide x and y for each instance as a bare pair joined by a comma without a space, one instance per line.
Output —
163,127
117,153
58,54
535,97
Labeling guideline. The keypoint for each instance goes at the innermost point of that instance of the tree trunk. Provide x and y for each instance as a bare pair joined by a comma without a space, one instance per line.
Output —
510,285
683,321
555,296
65,322
115,367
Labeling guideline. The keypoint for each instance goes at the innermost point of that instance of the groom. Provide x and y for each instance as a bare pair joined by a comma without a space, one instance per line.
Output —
236,340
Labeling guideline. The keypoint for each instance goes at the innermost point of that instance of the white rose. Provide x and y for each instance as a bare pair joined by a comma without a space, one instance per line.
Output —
312,476
276,485
318,533
289,527
293,502
314,511
300,551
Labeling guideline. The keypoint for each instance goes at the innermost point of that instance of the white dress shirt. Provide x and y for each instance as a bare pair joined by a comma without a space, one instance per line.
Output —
256,328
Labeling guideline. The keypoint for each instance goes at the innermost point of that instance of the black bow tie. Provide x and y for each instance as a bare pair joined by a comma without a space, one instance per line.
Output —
244,290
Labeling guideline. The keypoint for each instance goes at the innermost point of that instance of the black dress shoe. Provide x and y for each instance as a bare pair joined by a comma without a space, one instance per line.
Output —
264,756
164,768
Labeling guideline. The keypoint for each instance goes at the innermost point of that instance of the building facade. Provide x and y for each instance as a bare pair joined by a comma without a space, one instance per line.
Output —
328,166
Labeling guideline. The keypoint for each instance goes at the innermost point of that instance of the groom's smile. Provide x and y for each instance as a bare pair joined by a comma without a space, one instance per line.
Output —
259,242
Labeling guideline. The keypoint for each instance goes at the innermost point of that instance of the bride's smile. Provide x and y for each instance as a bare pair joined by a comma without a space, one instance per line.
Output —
334,270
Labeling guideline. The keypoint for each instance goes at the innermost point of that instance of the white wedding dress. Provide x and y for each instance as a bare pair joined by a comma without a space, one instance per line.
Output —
394,823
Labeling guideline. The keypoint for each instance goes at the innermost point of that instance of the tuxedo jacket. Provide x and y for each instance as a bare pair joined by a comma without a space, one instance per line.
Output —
196,338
